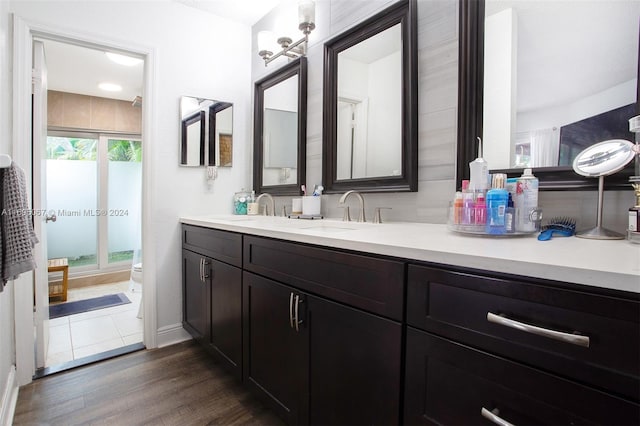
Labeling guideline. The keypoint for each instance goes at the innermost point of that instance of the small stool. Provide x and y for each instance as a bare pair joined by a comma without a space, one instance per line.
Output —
59,290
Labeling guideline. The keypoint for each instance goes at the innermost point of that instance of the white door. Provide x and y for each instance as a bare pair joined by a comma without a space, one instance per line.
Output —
41,290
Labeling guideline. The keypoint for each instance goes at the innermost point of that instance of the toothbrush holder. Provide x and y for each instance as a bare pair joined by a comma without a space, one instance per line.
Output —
311,205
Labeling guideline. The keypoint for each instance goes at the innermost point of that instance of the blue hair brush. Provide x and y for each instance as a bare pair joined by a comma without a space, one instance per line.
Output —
559,226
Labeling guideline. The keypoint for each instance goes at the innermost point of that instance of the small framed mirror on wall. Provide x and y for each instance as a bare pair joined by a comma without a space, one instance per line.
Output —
370,104
280,130
542,81
206,132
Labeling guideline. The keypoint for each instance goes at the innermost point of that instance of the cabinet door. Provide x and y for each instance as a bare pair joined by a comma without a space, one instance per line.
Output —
226,315
275,357
354,365
195,294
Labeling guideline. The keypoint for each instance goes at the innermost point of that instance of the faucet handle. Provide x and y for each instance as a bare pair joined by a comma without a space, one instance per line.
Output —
265,210
284,210
377,217
346,217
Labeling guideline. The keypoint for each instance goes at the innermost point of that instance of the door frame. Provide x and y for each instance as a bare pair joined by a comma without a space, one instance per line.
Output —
23,33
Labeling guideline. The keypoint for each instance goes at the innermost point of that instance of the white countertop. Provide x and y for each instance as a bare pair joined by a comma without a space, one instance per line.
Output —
613,264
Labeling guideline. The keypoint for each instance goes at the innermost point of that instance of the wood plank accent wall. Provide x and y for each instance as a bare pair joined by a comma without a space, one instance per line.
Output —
82,112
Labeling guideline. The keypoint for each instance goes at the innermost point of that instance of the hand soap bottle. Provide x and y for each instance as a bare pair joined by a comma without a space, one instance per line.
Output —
497,199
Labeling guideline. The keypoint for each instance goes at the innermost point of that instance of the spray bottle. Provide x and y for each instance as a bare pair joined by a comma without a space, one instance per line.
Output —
526,201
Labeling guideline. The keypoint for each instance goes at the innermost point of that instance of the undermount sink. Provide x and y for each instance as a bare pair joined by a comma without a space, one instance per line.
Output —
327,228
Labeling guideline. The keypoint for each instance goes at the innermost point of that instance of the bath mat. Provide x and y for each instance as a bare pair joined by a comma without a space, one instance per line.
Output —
70,308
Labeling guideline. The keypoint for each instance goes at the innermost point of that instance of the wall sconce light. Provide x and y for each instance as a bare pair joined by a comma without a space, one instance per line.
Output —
306,20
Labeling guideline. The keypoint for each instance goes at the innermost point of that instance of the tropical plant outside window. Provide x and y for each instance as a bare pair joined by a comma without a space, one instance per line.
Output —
94,187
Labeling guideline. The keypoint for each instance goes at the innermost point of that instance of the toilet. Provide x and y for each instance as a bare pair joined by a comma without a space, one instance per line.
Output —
135,283
136,276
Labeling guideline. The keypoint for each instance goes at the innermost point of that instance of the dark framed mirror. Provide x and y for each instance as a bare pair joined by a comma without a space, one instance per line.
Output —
192,152
546,133
206,132
280,130
370,104
221,133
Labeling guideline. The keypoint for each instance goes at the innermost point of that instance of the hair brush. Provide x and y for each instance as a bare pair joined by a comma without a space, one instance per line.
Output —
560,226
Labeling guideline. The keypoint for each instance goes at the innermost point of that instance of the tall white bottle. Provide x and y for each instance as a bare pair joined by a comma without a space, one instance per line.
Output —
479,171
526,201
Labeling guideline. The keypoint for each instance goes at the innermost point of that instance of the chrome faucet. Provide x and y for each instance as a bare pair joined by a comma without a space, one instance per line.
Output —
271,203
361,217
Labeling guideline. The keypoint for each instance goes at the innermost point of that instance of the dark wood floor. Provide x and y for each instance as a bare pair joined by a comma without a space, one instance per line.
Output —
176,385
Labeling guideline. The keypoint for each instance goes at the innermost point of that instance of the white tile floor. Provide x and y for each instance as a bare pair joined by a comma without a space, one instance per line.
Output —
89,333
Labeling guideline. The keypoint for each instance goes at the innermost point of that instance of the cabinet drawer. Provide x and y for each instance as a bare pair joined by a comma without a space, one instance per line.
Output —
221,245
449,383
366,282
458,306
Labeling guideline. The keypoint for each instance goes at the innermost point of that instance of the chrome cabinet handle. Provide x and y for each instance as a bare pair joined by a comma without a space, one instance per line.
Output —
205,263
493,417
297,304
574,339
201,269
291,310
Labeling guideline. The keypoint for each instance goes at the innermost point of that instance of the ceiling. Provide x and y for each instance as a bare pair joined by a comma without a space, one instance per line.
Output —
248,12
77,69
568,50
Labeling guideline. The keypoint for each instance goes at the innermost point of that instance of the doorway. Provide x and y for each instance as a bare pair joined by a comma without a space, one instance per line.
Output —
94,190
24,32
99,169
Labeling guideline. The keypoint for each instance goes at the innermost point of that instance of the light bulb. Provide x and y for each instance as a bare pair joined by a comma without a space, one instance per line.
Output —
110,87
306,12
265,41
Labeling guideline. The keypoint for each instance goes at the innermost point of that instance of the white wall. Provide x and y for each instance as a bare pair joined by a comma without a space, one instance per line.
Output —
500,87
384,146
7,342
561,115
197,54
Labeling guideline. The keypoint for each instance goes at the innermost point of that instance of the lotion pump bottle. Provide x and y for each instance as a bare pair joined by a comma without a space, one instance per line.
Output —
479,170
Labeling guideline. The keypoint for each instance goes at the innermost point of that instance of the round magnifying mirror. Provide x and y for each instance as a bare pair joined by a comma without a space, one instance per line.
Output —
599,160
604,158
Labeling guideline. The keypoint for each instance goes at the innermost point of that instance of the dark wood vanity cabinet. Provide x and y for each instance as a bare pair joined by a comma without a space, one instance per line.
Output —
313,360
322,336
212,292
195,310
478,346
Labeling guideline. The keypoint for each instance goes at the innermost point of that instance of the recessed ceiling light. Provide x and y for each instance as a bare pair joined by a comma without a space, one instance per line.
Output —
128,61
110,87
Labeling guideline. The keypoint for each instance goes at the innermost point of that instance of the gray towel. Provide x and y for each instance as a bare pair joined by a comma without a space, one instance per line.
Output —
17,238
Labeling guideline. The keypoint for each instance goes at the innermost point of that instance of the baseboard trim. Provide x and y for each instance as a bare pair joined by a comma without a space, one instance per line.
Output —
171,334
9,398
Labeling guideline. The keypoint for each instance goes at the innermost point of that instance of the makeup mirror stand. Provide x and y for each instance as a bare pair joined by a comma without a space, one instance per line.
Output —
599,232
600,160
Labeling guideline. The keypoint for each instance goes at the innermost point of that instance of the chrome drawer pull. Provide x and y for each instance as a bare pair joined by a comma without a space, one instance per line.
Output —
297,302
205,263
201,269
574,339
291,310
494,418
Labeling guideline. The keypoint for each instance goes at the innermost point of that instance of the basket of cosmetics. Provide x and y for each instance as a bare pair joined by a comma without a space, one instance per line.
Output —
508,207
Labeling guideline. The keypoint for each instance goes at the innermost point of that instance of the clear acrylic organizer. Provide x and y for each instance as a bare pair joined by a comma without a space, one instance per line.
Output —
473,221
